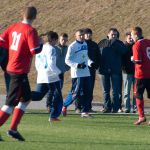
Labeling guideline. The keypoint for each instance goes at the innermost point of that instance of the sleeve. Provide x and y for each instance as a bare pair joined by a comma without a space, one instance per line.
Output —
137,56
34,42
4,42
51,61
69,57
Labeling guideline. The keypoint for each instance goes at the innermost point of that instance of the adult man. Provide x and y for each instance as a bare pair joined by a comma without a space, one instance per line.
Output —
141,58
128,75
77,59
111,50
22,42
61,50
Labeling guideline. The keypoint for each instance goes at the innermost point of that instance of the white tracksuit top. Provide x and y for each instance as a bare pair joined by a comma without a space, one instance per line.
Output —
45,63
78,53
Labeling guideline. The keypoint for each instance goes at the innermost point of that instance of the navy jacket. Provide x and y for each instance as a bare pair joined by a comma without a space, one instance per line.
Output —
111,56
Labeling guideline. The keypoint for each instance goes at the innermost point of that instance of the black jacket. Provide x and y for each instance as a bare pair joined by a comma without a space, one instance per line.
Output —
3,58
127,64
93,53
111,56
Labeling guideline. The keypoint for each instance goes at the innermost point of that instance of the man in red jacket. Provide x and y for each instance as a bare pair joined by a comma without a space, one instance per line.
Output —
22,42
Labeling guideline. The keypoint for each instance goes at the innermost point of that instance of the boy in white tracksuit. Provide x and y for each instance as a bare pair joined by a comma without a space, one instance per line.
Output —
77,59
48,77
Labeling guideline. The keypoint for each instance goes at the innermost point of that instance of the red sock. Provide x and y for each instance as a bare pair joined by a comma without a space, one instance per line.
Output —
140,107
17,115
3,117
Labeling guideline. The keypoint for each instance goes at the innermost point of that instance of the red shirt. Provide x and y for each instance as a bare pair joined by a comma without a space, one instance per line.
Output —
141,53
22,41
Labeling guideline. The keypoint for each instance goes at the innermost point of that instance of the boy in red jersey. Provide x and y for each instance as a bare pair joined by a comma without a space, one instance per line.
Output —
141,58
22,42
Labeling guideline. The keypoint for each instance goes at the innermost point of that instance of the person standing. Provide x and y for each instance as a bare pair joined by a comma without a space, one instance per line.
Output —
48,77
22,42
128,75
61,50
94,55
141,58
77,59
111,50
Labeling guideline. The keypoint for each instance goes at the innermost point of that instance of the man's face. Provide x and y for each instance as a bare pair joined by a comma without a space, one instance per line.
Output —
129,39
88,36
134,36
112,35
79,36
63,40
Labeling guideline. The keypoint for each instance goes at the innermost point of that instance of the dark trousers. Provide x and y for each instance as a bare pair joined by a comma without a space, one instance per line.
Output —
54,90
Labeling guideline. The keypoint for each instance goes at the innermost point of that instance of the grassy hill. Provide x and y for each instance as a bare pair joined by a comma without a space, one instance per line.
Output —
69,15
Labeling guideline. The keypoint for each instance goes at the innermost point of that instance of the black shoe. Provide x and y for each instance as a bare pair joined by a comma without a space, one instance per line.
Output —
15,134
106,111
127,111
1,138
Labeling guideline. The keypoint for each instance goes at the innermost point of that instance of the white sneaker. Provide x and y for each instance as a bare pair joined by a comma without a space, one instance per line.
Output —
85,115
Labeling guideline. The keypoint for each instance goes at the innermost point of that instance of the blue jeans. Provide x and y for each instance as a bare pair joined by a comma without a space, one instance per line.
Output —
109,80
128,80
55,94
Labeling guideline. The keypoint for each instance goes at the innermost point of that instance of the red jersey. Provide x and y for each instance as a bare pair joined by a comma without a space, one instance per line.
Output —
141,53
22,41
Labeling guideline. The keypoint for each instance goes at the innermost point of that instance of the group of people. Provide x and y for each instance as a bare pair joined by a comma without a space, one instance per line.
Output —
20,41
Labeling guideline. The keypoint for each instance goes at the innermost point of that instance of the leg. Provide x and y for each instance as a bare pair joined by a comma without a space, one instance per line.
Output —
57,102
115,78
127,88
105,80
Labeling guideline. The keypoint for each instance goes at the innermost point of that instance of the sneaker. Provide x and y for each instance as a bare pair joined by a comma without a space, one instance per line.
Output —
120,110
77,111
106,111
54,120
86,115
127,111
64,111
15,134
140,120
48,109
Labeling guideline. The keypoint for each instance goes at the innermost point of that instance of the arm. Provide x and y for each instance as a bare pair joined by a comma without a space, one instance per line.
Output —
35,44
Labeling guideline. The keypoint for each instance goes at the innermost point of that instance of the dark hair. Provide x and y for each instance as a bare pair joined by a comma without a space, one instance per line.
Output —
30,12
114,30
52,35
138,31
65,35
87,30
128,33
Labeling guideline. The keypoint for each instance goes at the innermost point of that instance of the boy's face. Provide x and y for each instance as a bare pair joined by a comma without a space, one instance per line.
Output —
129,39
134,36
88,36
63,40
54,42
79,36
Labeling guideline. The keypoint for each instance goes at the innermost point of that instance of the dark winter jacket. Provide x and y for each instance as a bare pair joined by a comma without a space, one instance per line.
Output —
127,64
93,53
111,56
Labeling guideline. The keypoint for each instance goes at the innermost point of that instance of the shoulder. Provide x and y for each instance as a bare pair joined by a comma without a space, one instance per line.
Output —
102,41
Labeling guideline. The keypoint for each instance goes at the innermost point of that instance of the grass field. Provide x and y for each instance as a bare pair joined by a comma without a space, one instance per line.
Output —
103,132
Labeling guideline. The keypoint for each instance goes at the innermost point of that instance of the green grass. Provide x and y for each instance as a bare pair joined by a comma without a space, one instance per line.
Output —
103,132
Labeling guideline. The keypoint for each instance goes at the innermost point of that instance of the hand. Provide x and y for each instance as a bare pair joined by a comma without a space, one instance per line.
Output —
131,58
81,66
94,66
